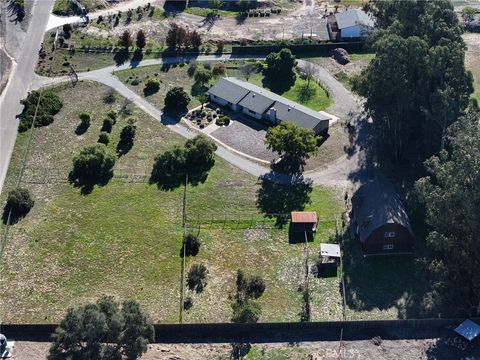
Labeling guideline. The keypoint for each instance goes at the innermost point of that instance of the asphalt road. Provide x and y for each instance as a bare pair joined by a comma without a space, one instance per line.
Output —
20,79
342,172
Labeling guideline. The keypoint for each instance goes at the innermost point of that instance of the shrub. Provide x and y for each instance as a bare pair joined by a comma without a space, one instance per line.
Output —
85,119
108,125
176,99
191,245
49,105
110,97
126,138
103,138
135,82
196,278
246,312
249,287
191,69
203,76
152,86
19,203
220,45
219,121
112,114
219,69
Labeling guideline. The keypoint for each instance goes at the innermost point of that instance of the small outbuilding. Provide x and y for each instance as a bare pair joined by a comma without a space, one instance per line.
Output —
379,221
304,221
354,24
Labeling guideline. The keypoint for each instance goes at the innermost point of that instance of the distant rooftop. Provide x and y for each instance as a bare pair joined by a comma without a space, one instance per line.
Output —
354,17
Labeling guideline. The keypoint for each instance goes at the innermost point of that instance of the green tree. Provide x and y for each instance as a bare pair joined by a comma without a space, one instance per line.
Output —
176,99
126,39
49,104
452,198
279,70
294,144
202,76
93,165
104,330
141,40
127,136
194,160
417,85
468,13
151,86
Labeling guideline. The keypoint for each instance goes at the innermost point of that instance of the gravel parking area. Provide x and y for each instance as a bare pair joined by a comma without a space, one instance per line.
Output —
245,135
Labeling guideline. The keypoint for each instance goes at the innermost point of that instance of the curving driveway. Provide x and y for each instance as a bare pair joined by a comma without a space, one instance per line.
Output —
346,106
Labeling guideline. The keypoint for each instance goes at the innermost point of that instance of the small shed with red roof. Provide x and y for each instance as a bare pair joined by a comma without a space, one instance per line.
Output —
304,221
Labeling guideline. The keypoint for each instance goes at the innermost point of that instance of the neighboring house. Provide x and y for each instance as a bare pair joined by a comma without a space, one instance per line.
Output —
379,221
354,24
262,104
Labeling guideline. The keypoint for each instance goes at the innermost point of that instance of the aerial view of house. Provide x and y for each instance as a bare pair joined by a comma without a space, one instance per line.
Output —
241,179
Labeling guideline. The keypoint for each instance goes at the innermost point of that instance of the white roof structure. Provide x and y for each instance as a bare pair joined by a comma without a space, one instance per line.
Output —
468,329
332,250
354,17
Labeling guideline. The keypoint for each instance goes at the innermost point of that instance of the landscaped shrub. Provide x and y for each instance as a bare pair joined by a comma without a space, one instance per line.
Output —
110,97
219,69
151,86
19,203
191,69
191,245
196,278
219,121
108,124
112,114
126,137
103,138
50,104
176,99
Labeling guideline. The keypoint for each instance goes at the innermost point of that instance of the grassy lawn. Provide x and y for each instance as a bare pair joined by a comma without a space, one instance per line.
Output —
123,239
206,12
170,76
472,60
66,7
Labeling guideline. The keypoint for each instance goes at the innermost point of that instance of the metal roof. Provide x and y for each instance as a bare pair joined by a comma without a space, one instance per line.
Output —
354,17
468,329
229,90
332,250
259,100
304,217
375,204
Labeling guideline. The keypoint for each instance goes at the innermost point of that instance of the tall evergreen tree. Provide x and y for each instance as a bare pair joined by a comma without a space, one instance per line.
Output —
417,85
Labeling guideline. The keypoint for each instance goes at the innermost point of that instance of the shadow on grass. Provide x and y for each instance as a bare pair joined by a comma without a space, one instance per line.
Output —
384,282
280,84
81,128
136,58
121,57
124,146
14,218
86,185
279,200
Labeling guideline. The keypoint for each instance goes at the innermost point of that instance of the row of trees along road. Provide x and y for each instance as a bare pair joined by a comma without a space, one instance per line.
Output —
417,85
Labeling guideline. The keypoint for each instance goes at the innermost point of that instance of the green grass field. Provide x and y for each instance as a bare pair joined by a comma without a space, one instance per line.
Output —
124,239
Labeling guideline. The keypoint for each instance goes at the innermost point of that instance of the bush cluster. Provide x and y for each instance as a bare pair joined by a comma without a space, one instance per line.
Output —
49,105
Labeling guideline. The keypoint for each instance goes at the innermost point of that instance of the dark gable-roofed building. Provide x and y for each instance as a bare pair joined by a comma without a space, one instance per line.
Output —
263,104
379,220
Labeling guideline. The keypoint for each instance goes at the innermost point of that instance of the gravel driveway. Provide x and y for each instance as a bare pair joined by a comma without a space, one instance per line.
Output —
247,136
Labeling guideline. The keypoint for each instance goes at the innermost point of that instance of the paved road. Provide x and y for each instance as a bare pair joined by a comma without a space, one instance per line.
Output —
346,106
19,82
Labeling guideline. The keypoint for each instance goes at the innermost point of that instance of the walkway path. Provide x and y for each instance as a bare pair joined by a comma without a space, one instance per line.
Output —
337,173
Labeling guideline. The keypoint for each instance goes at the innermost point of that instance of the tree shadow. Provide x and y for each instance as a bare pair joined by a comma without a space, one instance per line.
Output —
279,84
239,350
121,57
278,200
86,186
81,128
136,58
16,11
287,166
384,283
11,217
149,91
124,146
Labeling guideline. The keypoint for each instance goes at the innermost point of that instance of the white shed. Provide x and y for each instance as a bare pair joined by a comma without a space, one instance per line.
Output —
354,24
